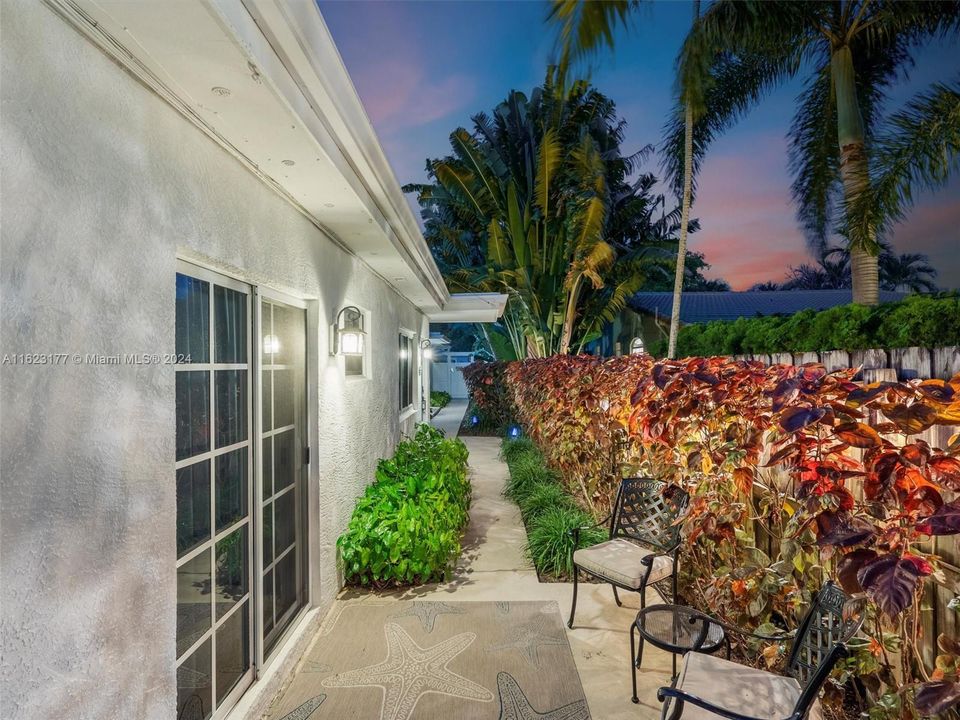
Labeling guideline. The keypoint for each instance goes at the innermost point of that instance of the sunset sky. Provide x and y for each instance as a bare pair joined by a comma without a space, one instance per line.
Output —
423,68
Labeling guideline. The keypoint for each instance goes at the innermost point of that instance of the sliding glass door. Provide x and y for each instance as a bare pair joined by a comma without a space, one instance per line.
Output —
283,443
213,463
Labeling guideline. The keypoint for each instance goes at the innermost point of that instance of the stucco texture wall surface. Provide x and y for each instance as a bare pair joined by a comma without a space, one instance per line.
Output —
102,186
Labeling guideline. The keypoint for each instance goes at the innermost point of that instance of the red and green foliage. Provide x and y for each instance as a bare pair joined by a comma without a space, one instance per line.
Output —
490,397
795,475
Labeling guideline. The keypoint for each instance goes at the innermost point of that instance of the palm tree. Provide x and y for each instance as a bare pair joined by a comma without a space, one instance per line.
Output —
535,202
584,27
907,272
851,51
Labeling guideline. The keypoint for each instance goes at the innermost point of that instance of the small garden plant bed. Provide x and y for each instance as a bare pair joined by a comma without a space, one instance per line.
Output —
406,528
549,512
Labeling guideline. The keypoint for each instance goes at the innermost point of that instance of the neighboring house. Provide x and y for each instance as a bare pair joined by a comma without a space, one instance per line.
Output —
648,313
193,197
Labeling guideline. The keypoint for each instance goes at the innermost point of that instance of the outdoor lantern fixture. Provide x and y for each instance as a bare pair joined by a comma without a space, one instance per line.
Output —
636,346
427,350
348,332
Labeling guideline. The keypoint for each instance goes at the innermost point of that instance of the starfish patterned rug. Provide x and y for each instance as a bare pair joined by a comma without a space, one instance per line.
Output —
433,660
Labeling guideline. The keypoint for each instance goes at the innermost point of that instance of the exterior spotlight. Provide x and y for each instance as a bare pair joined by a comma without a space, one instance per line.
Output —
514,431
474,420
348,334
636,346
427,350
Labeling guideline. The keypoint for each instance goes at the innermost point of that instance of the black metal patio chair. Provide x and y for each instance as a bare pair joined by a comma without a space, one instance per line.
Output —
644,541
712,687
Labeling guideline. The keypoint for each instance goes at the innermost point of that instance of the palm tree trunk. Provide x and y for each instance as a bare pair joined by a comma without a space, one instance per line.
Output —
569,318
684,215
854,171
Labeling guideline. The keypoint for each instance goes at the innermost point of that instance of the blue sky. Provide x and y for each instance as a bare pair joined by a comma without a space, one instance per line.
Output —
422,68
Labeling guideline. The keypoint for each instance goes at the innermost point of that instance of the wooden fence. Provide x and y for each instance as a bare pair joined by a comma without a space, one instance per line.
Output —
909,363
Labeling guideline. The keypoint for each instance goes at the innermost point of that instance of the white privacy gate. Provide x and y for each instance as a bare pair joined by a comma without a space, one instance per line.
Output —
445,373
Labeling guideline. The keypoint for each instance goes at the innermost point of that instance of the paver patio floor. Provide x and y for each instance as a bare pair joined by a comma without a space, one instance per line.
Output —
493,567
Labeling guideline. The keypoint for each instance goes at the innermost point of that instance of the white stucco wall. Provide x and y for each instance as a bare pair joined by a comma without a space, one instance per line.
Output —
103,185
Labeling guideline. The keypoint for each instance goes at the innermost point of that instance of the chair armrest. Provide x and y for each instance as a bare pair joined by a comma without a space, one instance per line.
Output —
575,532
680,695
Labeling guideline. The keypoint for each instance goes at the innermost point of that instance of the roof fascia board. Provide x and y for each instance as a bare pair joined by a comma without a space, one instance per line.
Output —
293,45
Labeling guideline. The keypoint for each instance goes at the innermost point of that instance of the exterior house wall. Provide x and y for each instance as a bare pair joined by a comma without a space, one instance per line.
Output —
103,186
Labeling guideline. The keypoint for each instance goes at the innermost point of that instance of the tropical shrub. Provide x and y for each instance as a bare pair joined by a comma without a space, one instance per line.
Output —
795,474
490,398
916,321
439,398
406,527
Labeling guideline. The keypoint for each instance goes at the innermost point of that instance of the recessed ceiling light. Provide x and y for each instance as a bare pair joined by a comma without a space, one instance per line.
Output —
328,204
399,279
288,162
221,91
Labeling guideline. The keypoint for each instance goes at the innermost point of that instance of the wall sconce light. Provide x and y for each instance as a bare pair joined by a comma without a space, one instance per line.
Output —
348,334
427,350
636,346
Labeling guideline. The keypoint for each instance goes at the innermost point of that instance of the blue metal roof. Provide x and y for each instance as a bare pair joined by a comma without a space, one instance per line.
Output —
699,307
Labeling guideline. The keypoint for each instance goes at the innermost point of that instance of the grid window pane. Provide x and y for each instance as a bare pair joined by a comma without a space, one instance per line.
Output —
267,602
231,487
284,406
233,651
285,521
193,506
289,333
193,413
267,457
267,534
193,601
231,389
267,411
195,684
193,319
230,323
286,580
285,460
231,568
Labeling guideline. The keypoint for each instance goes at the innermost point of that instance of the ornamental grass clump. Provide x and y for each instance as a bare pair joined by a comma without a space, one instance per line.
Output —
406,528
543,496
510,450
527,469
550,539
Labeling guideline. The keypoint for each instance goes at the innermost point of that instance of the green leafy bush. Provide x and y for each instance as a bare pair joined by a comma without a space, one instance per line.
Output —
406,527
550,539
543,496
490,399
918,320
439,398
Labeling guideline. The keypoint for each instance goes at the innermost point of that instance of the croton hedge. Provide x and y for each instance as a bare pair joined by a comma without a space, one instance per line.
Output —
795,475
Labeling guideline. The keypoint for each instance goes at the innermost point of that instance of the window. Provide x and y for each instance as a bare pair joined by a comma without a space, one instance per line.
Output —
213,467
406,371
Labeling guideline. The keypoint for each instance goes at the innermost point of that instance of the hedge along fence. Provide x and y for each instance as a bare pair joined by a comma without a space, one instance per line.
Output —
917,321
831,470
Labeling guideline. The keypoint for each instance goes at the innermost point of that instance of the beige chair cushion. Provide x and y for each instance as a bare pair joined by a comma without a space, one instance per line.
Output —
622,561
743,689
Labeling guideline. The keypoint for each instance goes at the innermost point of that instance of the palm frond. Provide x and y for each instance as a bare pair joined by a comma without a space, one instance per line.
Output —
920,150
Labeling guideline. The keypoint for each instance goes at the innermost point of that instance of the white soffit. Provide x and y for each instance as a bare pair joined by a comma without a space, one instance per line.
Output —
469,307
264,79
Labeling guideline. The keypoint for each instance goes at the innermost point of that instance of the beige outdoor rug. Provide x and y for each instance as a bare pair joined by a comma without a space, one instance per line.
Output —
431,660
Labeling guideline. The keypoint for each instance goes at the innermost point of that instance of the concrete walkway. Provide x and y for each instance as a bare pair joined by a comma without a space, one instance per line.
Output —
450,417
493,567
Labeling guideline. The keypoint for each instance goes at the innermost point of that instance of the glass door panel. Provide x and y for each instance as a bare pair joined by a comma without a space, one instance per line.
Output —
283,438
214,485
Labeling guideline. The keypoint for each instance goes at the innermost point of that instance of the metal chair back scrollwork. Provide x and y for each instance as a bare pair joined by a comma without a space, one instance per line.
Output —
647,511
821,639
